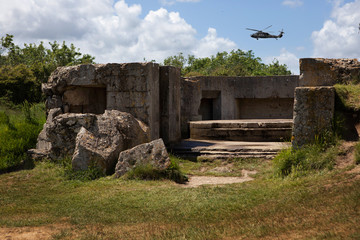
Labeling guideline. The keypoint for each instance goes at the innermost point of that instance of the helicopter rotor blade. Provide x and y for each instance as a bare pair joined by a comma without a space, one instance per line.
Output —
267,27
252,29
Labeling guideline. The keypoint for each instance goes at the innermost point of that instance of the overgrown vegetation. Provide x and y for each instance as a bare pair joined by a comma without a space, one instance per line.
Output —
93,172
148,172
18,133
318,155
357,153
315,206
297,162
23,69
348,96
235,63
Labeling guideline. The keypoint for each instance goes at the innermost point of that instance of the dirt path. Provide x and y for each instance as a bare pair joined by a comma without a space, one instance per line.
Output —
196,181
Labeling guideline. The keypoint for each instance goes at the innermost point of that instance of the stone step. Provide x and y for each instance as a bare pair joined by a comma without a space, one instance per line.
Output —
243,123
211,149
242,130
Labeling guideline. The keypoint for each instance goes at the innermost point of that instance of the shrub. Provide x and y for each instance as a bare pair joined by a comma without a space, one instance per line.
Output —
296,162
148,172
357,153
92,173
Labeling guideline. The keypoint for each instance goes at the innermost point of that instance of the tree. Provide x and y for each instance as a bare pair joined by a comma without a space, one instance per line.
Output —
17,84
176,61
39,63
235,63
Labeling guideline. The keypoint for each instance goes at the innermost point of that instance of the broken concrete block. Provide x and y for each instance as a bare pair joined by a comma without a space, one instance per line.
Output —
153,153
106,135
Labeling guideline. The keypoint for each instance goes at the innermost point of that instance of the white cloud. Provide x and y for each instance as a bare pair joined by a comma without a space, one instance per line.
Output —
110,31
293,3
171,2
288,58
212,44
339,37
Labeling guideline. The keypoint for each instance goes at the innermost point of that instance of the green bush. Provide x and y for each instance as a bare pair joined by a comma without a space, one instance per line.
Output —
296,162
357,153
148,172
92,173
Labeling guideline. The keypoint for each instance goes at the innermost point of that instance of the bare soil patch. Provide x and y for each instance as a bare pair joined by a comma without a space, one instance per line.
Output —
196,181
29,233
347,155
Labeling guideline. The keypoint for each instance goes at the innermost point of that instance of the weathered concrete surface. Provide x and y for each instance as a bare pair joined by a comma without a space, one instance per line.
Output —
153,153
313,114
242,130
213,149
112,133
128,87
136,91
170,130
109,133
215,98
327,72
264,108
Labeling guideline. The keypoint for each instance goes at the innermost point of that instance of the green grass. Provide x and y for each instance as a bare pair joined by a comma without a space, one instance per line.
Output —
348,95
314,202
231,168
357,153
302,161
320,205
19,129
148,172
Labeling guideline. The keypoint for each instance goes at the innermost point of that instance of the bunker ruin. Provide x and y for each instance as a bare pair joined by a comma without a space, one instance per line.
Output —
271,108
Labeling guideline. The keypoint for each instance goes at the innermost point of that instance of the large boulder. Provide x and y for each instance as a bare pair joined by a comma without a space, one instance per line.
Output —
92,138
153,153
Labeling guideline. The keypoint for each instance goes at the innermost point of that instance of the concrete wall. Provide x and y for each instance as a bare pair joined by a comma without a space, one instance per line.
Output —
327,72
136,90
236,98
129,87
170,130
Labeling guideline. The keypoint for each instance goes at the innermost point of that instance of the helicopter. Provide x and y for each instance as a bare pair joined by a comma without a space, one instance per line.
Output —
261,34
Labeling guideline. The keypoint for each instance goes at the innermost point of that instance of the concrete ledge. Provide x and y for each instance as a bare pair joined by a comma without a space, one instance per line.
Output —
242,130
212,149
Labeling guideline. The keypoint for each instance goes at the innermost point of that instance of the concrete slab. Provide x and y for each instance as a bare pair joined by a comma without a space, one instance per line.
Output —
230,145
243,123
258,130
228,149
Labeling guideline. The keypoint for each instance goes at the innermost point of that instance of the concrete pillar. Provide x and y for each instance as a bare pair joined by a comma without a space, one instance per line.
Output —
170,128
313,114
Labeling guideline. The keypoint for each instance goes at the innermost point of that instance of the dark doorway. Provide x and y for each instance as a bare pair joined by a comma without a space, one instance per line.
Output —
207,108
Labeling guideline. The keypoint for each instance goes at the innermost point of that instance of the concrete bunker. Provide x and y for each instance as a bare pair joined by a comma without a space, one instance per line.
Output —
169,104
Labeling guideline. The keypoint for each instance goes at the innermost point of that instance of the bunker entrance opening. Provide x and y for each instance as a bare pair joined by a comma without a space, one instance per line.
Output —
210,105
85,99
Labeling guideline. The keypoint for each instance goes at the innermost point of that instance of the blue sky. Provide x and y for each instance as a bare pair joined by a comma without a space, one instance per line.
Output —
134,30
